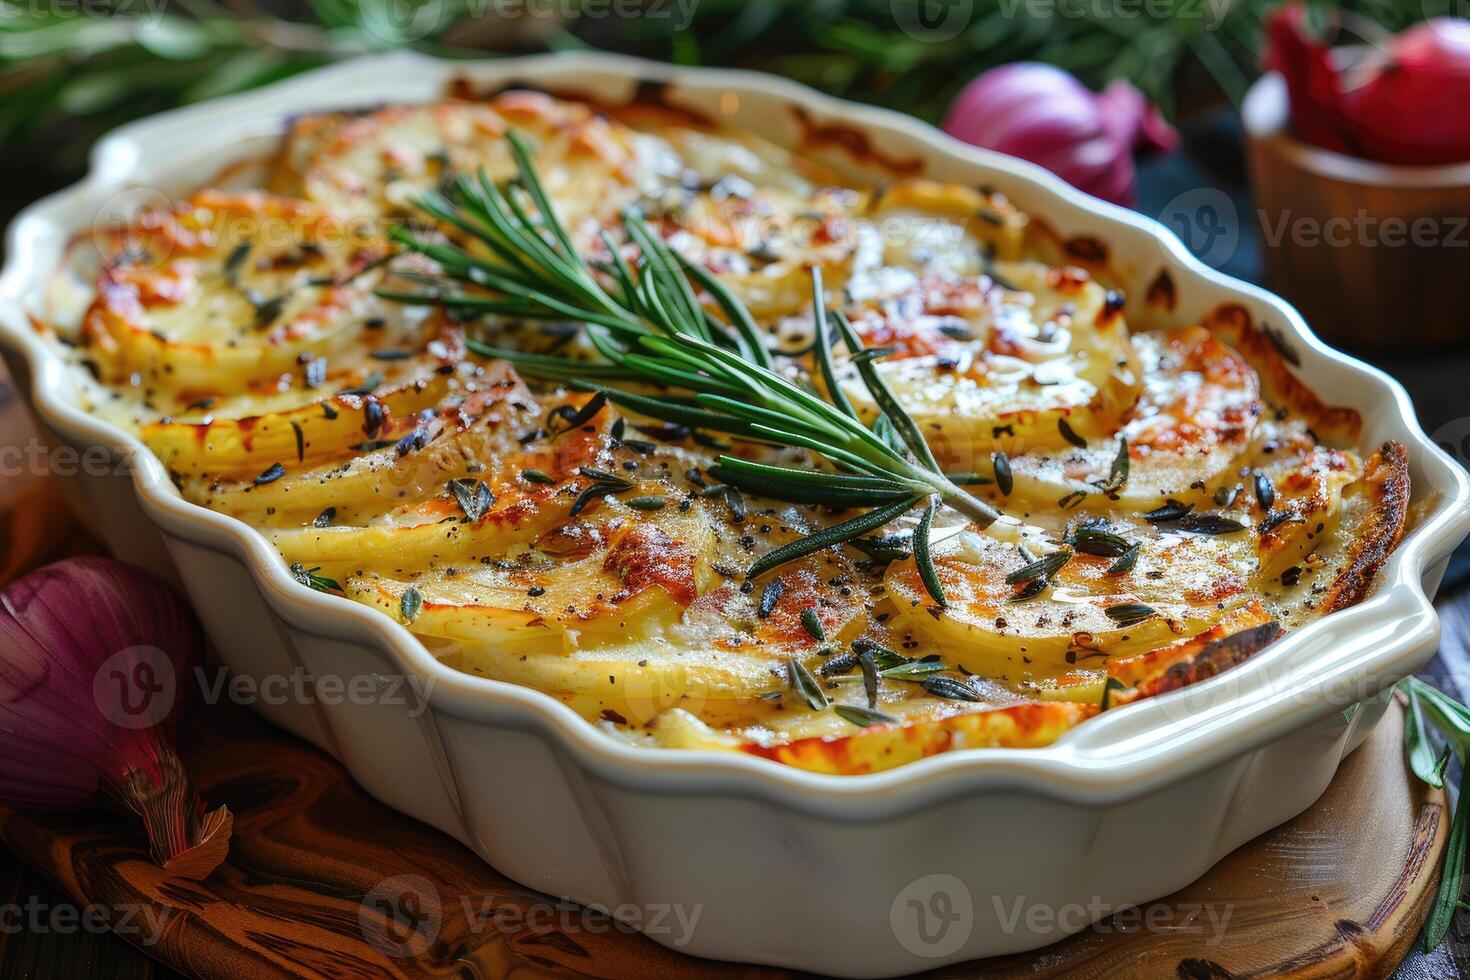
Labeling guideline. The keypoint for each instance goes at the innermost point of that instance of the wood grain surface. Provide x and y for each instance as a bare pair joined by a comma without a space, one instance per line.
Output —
1355,257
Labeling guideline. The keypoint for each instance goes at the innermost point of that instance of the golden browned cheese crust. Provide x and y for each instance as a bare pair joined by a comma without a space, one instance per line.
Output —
1386,485
1196,497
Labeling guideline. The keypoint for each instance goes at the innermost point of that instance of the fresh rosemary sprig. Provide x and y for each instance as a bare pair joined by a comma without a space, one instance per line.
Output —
647,324
1429,704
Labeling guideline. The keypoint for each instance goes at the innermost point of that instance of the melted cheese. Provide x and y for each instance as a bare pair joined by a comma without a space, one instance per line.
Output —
242,336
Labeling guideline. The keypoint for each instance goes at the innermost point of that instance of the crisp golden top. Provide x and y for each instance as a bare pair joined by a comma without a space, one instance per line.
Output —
1171,506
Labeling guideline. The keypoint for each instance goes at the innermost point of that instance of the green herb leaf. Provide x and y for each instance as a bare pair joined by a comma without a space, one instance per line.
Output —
1118,474
891,547
369,385
652,329
822,345
272,473
1418,748
950,688
914,670
1171,510
575,418
1111,687
1446,898
828,536
863,717
411,604
870,677
1125,561
595,491
812,623
924,561
309,578
770,597
1004,481
882,656
473,496
805,685
1042,568
1095,537
1265,492
647,503
1209,524
1129,613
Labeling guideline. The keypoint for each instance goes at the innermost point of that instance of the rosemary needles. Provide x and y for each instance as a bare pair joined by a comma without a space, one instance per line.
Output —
647,325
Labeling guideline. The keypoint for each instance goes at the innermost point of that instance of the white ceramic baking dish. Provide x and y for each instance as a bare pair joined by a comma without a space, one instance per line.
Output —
966,854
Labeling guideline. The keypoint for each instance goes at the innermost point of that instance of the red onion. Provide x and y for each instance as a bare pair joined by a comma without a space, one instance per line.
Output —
1042,114
92,655
1407,102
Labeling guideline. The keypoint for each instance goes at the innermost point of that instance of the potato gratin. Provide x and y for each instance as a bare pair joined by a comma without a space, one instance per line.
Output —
1172,500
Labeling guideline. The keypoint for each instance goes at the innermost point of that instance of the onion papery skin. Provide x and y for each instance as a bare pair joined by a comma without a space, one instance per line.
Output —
95,659
1042,114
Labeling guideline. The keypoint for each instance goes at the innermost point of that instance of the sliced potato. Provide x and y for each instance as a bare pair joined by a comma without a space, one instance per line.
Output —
1185,583
1053,350
885,746
231,291
380,162
308,433
1186,436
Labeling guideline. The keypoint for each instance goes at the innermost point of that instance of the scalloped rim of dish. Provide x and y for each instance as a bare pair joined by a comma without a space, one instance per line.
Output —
1113,758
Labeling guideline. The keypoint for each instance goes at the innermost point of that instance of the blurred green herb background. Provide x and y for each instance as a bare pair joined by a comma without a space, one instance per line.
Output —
70,69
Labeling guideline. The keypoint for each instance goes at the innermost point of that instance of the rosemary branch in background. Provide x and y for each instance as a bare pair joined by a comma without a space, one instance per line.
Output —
649,326
1427,704
66,73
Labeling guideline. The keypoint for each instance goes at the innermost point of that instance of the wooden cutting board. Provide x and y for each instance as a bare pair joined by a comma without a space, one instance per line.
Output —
323,881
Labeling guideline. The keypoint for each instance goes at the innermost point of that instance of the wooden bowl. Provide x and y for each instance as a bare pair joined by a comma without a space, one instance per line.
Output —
1373,255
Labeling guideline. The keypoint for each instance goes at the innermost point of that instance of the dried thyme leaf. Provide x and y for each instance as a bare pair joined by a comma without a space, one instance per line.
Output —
805,685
